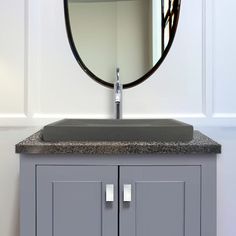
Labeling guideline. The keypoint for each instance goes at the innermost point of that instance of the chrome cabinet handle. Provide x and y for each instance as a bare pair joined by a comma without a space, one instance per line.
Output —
109,192
127,193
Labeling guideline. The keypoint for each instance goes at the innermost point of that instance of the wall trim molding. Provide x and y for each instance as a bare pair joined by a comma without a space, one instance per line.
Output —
125,116
208,13
26,51
12,115
39,120
224,115
204,58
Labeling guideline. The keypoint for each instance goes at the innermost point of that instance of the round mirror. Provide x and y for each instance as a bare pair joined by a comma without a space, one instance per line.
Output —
132,35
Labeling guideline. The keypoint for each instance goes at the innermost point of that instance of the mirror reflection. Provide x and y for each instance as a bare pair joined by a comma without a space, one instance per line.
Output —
130,35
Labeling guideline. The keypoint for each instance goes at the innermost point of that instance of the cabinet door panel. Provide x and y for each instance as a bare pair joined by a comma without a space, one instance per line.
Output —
165,201
71,201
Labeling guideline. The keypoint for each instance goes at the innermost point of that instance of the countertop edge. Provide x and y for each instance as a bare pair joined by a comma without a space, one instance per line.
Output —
201,144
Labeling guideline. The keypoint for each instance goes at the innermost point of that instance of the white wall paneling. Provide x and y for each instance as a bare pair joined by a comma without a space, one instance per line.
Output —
224,59
9,179
45,83
12,59
175,88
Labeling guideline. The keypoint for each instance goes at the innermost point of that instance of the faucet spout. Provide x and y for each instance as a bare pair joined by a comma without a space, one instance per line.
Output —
118,95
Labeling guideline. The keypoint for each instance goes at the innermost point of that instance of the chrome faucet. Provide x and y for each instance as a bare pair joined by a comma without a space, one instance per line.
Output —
118,95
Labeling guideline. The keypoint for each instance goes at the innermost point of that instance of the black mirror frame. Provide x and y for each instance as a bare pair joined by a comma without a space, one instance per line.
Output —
139,80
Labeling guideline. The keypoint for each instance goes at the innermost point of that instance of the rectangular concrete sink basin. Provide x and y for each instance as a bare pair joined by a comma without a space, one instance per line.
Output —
164,130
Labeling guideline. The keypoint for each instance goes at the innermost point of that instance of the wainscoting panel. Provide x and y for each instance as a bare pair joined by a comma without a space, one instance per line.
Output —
12,59
176,88
42,82
224,59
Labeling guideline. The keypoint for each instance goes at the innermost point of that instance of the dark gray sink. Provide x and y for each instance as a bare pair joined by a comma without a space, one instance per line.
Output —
118,130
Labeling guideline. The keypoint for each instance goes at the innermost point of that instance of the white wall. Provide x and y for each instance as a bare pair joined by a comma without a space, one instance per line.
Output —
12,58
9,179
194,84
40,82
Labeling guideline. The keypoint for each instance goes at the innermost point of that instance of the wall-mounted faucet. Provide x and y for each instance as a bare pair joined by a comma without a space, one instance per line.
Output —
118,95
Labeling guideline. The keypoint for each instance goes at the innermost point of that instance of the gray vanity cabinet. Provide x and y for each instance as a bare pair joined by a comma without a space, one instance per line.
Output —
71,201
74,200
118,188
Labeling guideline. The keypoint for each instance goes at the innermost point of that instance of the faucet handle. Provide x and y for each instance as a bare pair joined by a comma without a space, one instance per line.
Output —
117,74
117,86
118,95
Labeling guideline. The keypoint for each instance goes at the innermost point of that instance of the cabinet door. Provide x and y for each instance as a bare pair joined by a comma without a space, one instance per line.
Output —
165,201
71,201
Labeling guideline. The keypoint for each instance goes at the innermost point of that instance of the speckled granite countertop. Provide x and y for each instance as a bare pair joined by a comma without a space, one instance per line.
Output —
200,144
